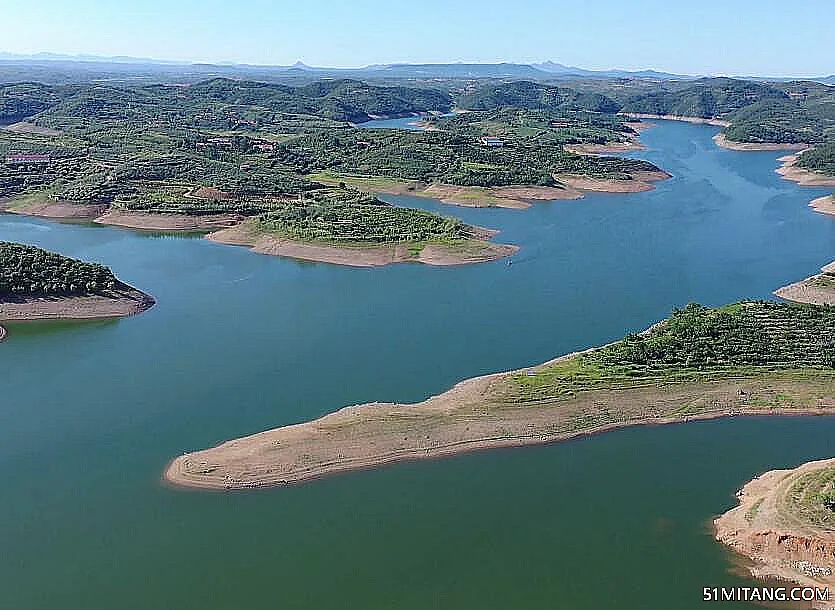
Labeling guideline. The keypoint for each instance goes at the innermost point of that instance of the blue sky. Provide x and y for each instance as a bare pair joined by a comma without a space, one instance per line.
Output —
741,37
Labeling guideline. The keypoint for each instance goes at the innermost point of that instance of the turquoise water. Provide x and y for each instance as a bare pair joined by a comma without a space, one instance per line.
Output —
90,413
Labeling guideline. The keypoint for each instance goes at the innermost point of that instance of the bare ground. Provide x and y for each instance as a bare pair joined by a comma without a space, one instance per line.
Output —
166,222
475,415
123,301
803,177
676,117
471,251
824,205
724,142
769,527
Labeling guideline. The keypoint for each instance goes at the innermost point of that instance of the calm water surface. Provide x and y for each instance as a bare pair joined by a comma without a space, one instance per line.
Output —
91,412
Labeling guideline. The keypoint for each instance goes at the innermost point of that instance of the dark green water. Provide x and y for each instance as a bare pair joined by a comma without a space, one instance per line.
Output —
90,413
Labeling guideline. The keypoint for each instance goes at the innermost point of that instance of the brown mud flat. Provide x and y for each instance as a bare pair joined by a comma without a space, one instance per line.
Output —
472,416
775,527
473,251
120,302
167,222
722,140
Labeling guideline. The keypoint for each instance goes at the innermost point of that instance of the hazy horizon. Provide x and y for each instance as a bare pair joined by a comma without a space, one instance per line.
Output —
758,39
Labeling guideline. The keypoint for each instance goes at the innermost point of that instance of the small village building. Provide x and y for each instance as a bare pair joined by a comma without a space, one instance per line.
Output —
492,142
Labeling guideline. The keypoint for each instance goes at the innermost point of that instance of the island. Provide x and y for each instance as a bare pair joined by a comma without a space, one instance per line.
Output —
785,525
251,162
749,358
36,284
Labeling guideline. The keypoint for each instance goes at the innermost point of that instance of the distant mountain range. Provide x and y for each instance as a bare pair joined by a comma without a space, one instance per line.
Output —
49,65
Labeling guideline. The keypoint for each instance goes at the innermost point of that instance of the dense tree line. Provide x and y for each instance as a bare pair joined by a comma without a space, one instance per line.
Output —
821,158
369,221
27,270
699,343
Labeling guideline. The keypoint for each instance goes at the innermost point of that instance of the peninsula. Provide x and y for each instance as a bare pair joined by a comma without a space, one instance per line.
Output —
747,358
785,525
39,285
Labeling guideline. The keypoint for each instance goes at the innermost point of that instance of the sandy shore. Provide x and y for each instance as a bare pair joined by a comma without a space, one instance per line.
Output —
722,140
472,251
778,526
803,177
476,415
824,205
676,117
47,208
816,290
123,301
641,181
167,222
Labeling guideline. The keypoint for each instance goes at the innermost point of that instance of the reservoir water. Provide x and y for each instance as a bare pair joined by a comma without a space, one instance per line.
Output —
238,342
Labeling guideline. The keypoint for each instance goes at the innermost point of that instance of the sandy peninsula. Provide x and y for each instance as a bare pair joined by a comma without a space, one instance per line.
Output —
722,140
803,177
476,415
569,187
677,117
475,250
785,526
824,205
120,302
167,222
816,290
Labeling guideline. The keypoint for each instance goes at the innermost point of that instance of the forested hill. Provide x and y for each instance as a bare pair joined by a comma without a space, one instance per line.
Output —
27,270
705,98
526,94
340,100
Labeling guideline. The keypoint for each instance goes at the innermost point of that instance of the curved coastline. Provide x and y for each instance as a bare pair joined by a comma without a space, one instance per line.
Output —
815,290
779,524
122,301
475,415
476,250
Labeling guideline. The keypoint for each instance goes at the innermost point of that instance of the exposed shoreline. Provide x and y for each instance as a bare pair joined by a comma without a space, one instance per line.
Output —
816,290
572,187
472,251
473,416
804,177
723,141
776,528
122,301
676,117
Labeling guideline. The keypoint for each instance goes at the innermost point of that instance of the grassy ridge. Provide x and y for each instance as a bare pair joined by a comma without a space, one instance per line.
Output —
697,344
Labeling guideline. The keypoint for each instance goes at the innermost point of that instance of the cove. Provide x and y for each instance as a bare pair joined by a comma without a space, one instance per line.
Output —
240,342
